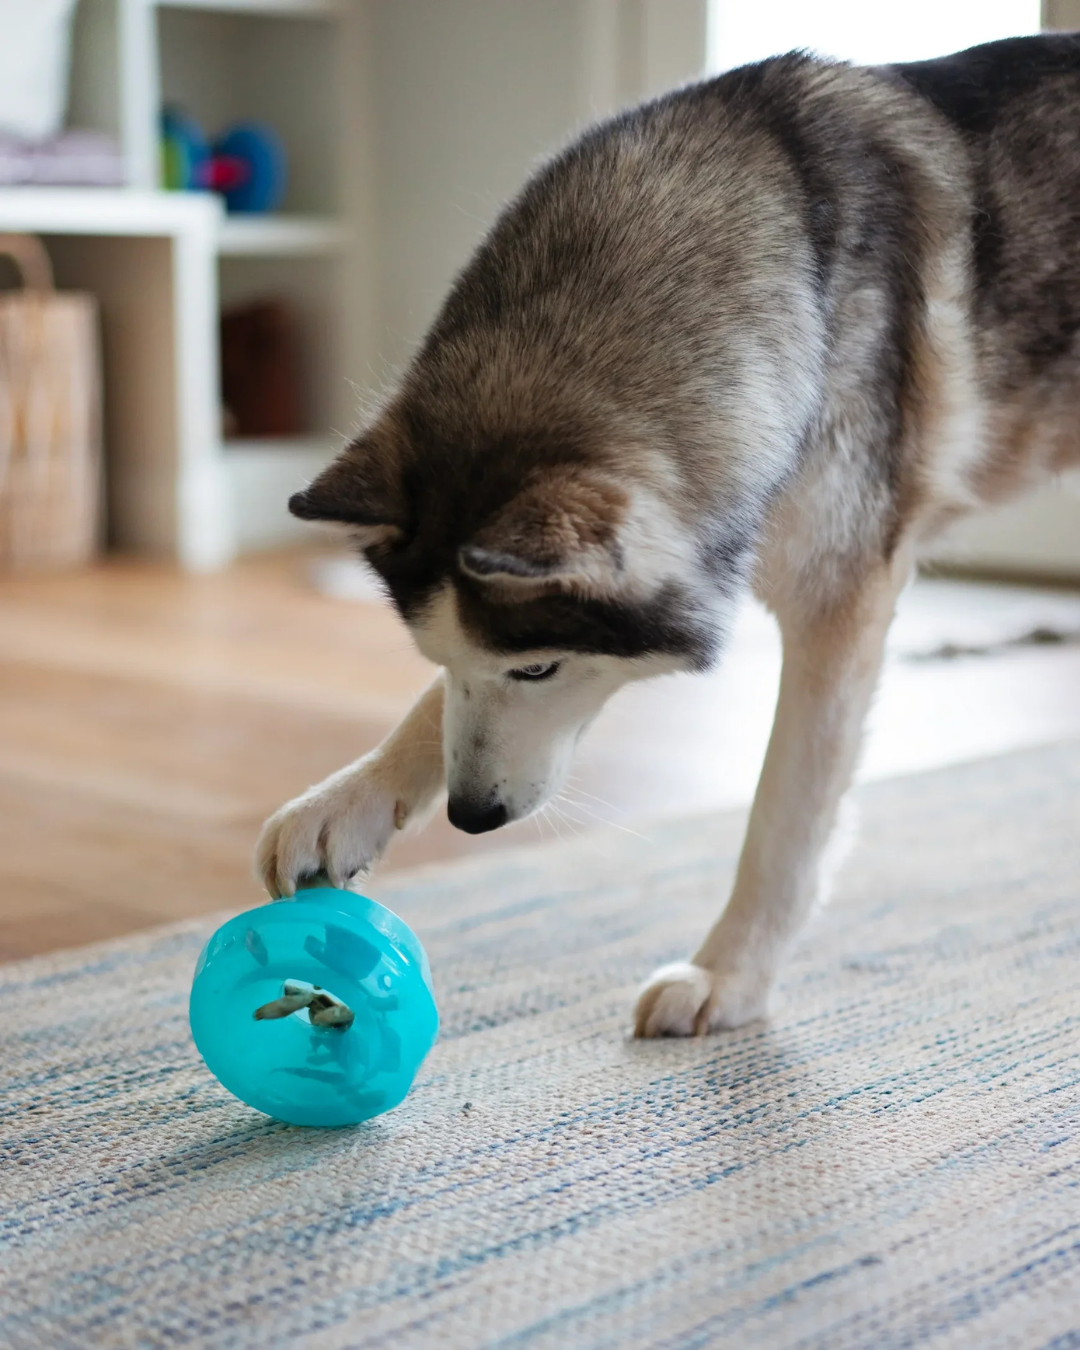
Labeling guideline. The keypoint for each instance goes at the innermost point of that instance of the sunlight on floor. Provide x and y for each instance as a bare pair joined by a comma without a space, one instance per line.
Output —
932,708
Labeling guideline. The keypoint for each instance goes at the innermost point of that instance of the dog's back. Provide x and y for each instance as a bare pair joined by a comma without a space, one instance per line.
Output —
1016,105
793,261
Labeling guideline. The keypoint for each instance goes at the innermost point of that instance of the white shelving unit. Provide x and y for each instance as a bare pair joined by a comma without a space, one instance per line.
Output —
301,8
260,476
281,237
406,122
163,263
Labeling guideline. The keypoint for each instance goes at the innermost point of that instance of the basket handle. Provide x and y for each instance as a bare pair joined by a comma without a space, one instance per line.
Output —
28,254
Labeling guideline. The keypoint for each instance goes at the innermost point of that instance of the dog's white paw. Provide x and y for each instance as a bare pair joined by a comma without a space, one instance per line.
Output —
686,1000
340,827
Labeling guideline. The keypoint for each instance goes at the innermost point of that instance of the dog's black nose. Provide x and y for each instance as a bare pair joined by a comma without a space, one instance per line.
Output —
475,818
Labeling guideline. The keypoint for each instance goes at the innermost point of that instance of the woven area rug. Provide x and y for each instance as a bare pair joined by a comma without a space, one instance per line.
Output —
893,1162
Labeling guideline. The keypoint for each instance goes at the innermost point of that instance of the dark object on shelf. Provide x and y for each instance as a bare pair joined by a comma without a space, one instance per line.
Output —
260,370
246,164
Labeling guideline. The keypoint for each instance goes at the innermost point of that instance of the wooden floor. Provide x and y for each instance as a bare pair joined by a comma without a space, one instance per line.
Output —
149,721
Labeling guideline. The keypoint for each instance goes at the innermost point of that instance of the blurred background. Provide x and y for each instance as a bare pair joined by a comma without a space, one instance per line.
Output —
227,224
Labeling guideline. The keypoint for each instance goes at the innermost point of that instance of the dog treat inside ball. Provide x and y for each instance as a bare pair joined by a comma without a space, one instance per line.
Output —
318,1011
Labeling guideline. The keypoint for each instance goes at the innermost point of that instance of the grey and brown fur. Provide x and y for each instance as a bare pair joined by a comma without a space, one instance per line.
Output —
771,331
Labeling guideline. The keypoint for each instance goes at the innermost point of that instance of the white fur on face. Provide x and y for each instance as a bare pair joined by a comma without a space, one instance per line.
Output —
508,741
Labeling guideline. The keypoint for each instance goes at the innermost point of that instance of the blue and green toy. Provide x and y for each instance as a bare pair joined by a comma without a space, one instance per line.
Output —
246,164
317,1011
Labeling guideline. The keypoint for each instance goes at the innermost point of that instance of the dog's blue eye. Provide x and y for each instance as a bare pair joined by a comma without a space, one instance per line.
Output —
543,670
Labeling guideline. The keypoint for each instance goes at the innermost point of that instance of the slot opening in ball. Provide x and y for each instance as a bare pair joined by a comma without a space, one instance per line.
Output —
310,1003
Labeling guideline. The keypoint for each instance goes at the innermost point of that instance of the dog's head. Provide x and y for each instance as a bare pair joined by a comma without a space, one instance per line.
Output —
539,576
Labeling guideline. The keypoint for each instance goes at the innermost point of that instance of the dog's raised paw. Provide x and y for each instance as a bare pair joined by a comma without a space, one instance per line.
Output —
339,828
683,999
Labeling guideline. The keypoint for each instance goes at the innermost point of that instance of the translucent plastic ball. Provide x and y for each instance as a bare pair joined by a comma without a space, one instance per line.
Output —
318,1010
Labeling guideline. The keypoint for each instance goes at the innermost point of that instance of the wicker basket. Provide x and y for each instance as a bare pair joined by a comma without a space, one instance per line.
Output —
50,454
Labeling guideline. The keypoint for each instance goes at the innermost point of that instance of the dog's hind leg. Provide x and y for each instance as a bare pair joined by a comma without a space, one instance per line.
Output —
342,825
831,663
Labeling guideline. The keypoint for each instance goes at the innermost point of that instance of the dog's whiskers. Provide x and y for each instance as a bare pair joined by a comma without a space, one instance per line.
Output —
573,786
604,820
571,824
549,815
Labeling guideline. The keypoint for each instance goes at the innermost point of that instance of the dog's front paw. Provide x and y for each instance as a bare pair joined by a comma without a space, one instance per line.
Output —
340,827
686,1000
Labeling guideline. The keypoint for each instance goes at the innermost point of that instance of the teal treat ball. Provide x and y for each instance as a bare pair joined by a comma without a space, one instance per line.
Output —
318,1010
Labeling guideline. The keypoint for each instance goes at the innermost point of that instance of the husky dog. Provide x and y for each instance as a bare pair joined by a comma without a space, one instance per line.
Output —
772,331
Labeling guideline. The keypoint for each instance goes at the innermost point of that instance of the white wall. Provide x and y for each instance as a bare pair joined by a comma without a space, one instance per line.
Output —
469,95
1061,14
864,31
466,97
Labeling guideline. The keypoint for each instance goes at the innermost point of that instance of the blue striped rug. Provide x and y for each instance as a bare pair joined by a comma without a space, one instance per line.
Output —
893,1162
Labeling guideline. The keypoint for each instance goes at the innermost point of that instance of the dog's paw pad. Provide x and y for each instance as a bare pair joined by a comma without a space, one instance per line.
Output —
686,1000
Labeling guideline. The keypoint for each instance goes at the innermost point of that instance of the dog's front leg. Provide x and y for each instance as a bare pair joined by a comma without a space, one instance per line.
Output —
831,664
342,825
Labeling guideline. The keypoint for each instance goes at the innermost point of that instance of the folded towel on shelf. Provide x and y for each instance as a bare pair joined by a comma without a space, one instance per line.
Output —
71,159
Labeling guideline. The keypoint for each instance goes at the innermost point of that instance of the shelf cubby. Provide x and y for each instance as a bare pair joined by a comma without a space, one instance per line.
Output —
164,263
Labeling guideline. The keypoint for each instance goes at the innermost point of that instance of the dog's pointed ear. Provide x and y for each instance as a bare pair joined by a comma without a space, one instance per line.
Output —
360,488
558,533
